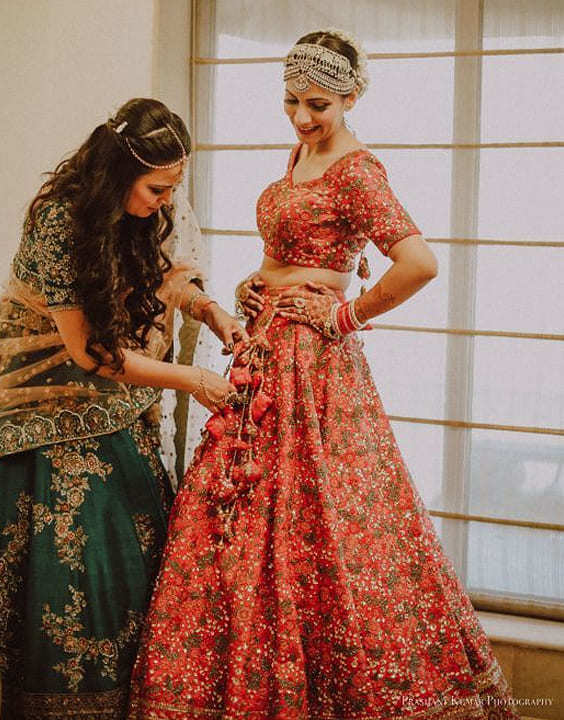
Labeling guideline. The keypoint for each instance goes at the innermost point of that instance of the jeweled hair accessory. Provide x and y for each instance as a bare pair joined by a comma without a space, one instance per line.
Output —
165,166
307,63
362,77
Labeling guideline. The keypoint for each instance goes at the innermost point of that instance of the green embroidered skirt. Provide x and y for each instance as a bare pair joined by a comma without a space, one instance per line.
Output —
82,525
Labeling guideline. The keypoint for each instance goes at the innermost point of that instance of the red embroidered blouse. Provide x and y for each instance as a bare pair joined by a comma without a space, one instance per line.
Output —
327,221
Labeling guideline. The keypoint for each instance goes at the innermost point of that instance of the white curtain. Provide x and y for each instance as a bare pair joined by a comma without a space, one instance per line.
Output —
493,214
183,246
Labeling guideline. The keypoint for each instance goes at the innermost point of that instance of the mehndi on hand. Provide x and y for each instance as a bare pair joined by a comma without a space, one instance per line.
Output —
313,304
248,301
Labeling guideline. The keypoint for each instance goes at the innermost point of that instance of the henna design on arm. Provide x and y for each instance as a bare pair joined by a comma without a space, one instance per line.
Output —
374,302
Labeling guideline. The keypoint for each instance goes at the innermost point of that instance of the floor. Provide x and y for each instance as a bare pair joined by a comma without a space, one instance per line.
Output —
531,653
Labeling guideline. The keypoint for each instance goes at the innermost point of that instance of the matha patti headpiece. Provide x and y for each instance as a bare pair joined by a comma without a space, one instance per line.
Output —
307,63
165,166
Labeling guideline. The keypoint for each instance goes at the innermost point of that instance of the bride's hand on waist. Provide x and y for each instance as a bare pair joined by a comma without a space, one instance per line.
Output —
249,300
310,304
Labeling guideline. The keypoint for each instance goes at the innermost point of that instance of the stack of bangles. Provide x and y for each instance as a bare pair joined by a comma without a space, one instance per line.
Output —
343,318
198,304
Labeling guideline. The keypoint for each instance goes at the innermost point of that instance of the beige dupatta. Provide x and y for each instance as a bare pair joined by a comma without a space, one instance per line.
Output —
44,396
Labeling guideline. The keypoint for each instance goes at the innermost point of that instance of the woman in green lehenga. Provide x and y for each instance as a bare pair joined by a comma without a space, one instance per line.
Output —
85,327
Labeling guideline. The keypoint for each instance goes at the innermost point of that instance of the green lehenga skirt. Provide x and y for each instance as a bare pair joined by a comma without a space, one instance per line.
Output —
82,525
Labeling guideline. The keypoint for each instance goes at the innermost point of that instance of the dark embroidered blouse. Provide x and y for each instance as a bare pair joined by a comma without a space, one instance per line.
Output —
327,221
44,258
44,396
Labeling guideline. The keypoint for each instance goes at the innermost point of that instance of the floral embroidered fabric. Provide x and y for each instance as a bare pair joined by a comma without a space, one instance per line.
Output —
74,515
43,259
318,588
45,397
327,221
302,577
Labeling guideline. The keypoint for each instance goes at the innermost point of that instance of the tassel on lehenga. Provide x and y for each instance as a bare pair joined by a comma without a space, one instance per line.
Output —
302,577
235,428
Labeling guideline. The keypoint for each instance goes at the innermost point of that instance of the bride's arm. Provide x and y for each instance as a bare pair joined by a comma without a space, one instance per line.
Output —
414,265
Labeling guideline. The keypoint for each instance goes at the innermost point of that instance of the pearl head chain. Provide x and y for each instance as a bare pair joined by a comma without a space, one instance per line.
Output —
307,63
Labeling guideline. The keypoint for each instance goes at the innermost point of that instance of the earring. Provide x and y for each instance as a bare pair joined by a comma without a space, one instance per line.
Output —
349,128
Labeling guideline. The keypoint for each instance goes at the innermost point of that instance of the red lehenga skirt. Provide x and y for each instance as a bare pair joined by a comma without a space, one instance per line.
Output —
321,591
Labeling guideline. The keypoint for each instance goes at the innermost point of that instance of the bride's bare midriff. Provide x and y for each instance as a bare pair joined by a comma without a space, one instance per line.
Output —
277,274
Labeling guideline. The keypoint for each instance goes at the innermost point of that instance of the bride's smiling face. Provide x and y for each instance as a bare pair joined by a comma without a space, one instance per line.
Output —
315,114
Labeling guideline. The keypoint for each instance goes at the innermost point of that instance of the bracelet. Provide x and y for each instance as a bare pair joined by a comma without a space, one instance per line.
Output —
333,319
359,323
198,312
346,318
202,388
193,297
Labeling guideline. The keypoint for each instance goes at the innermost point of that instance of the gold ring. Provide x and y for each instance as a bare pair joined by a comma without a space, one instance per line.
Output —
242,292
231,398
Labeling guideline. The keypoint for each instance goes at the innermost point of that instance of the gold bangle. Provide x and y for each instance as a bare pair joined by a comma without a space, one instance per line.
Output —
202,388
198,312
193,297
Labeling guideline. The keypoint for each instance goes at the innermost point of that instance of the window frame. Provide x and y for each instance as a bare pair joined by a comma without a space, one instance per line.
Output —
461,330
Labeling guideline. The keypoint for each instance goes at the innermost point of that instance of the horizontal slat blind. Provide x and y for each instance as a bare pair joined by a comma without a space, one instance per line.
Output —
208,150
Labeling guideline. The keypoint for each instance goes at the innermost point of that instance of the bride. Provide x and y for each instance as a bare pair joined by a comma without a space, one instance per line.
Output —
302,577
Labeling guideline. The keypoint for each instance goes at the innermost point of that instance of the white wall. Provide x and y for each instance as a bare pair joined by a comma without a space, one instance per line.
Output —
65,65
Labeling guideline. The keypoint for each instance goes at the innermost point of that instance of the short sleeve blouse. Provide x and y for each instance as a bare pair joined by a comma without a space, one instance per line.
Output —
369,206
44,259
327,221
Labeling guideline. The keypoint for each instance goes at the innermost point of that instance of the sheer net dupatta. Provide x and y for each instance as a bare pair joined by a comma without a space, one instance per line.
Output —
44,396
185,249
47,398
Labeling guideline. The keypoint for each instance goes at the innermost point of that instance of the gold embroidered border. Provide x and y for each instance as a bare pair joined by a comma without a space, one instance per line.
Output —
472,708
28,430
110,704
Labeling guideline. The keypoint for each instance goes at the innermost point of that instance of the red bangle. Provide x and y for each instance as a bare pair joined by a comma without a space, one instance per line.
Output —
345,324
347,321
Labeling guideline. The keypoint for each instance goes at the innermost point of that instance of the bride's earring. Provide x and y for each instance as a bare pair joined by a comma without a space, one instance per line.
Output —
348,106
349,128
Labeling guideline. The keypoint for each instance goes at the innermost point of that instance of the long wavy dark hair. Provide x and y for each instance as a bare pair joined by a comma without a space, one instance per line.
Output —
119,258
